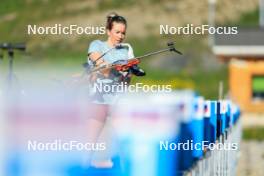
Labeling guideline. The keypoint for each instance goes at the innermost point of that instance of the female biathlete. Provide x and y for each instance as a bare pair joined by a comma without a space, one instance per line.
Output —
106,52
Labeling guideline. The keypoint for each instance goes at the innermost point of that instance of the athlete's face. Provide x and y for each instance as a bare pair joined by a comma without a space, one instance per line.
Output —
117,34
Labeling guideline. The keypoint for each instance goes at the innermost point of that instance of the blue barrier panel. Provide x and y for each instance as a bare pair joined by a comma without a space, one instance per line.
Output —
45,163
213,121
235,113
221,161
197,127
228,114
168,161
219,120
238,113
207,115
210,121
186,133
140,127
232,114
223,116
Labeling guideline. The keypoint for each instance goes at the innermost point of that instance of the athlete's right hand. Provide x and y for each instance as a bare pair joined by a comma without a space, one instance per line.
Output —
99,63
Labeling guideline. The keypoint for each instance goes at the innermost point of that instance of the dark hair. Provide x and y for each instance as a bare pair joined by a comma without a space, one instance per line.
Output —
114,17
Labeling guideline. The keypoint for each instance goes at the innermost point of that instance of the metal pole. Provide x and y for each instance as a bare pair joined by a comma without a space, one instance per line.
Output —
10,72
2,134
261,13
211,20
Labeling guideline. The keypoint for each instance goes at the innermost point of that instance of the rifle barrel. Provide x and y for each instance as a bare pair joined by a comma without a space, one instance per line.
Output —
153,53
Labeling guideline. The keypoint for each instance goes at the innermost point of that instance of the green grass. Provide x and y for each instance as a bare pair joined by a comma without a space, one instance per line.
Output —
115,4
11,6
253,133
250,19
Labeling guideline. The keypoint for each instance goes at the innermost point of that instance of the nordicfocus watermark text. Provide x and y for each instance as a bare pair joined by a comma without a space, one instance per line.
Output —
59,29
124,87
58,145
190,29
190,145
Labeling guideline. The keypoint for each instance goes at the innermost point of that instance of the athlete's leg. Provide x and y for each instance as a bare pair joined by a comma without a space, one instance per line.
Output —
95,123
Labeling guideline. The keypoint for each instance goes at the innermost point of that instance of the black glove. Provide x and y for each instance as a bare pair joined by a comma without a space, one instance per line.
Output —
137,71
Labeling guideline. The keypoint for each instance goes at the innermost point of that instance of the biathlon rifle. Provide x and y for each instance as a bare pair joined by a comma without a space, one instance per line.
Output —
122,65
